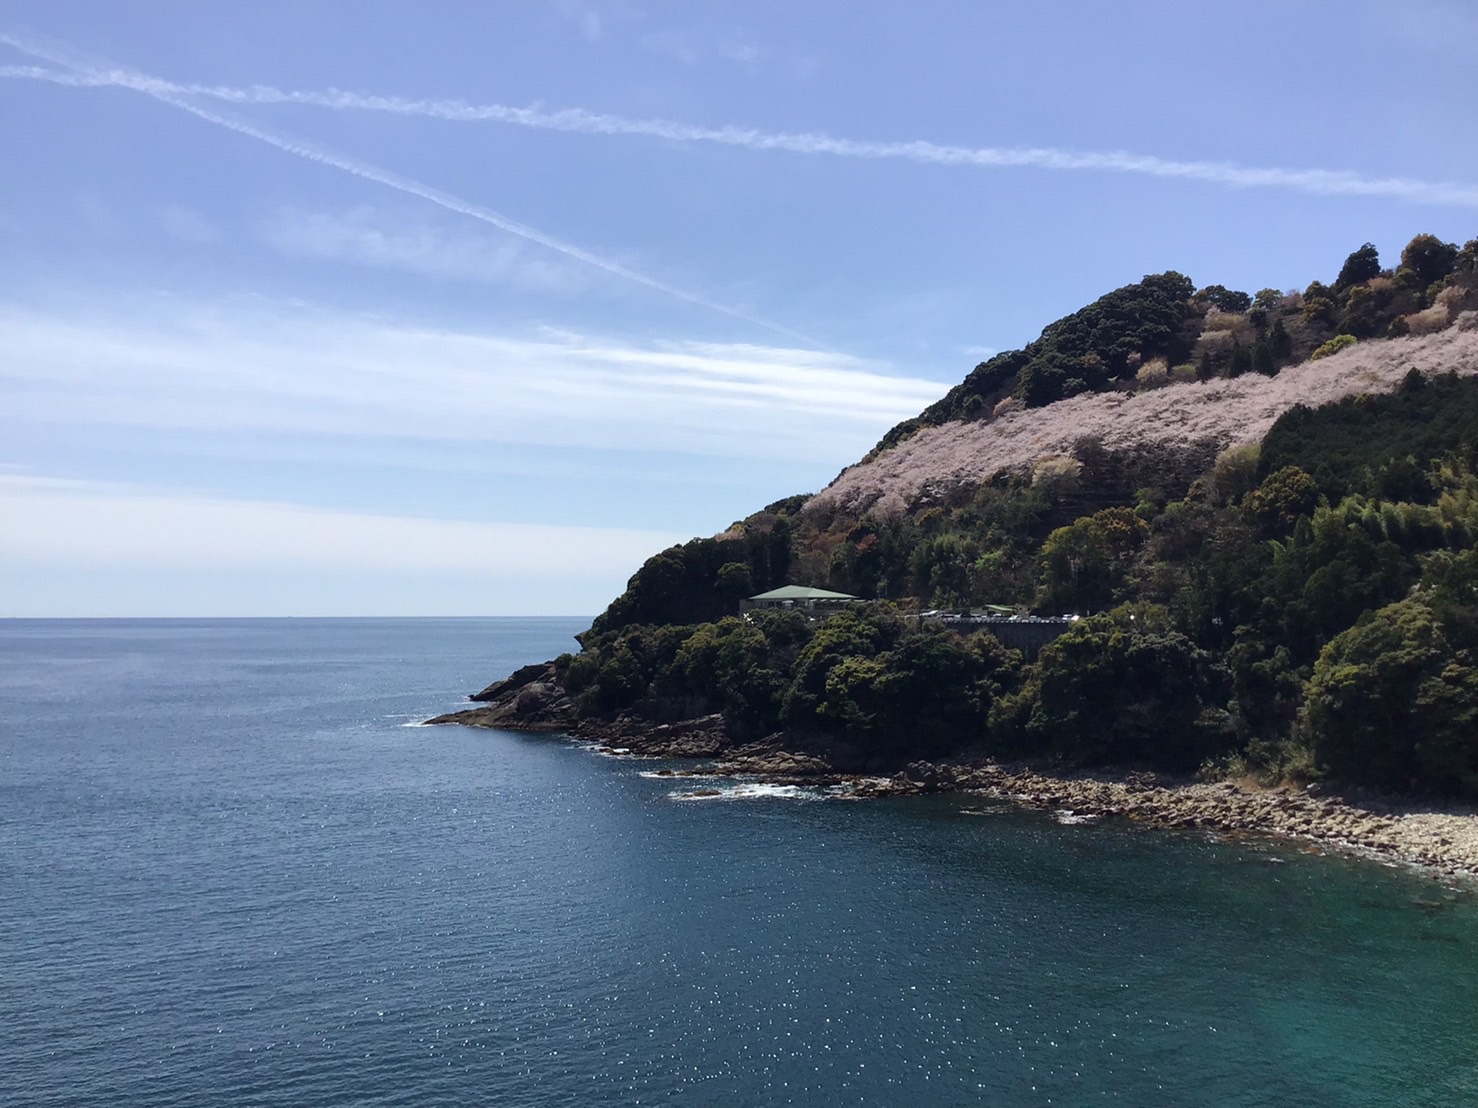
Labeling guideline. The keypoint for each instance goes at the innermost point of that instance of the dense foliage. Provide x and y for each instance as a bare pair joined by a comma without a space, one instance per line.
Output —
873,685
1115,690
1393,701
1383,443
1305,606
705,578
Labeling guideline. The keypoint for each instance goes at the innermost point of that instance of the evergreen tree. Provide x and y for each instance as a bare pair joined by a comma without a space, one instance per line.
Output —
1280,342
1262,359
1359,267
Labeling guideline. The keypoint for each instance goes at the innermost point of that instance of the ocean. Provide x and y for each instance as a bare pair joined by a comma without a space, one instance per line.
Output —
233,871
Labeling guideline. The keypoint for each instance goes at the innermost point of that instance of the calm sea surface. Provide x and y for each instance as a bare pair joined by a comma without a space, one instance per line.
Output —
232,872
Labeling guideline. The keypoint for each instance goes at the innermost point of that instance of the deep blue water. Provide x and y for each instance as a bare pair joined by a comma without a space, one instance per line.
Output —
231,874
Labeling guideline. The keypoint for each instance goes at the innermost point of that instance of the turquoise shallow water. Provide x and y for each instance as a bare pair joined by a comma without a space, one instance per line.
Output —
230,873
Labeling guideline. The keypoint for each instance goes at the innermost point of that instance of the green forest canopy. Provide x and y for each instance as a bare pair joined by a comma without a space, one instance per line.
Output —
1306,606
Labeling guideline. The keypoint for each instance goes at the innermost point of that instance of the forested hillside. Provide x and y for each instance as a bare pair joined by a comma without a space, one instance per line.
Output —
1264,505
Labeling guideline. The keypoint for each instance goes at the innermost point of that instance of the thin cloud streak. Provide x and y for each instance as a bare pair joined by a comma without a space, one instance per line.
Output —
363,236
245,367
177,96
1319,182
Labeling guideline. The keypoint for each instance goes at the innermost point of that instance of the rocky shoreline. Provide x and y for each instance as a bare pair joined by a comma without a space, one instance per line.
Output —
1440,840
1443,840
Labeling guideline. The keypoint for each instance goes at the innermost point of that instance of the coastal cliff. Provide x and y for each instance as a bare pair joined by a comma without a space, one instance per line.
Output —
1264,508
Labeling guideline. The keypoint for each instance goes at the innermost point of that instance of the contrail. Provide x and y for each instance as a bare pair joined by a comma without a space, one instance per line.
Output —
1321,182
176,97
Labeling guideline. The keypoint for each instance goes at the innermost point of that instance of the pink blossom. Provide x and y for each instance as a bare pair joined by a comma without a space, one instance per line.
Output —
1189,416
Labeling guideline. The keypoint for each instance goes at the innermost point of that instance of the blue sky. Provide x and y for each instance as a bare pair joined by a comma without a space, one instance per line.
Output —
392,308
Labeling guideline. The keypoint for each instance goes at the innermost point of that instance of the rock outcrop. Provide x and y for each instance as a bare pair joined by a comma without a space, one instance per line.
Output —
531,699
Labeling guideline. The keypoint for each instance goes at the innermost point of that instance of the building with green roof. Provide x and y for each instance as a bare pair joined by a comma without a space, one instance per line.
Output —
801,597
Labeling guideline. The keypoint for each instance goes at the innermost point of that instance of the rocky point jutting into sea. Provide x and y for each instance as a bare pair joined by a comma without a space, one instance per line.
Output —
1263,508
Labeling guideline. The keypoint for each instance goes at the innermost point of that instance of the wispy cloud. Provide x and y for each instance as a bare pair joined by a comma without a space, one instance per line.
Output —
1321,182
257,367
51,522
79,73
100,549
366,236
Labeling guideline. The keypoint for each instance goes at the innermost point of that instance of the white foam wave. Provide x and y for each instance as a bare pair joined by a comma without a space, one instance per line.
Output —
1070,817
604,750
747,790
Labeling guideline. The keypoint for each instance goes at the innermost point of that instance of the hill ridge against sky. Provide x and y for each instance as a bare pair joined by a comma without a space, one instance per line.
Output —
1194,418
393,318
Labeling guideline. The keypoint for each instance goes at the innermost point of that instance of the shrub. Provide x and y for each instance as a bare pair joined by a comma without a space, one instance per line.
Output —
1153,373
1466,262
1235,473
1428,320
1215,342
1451,298
1276,504
1057,475
1333,346
1318,309
1218,320
1362,316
